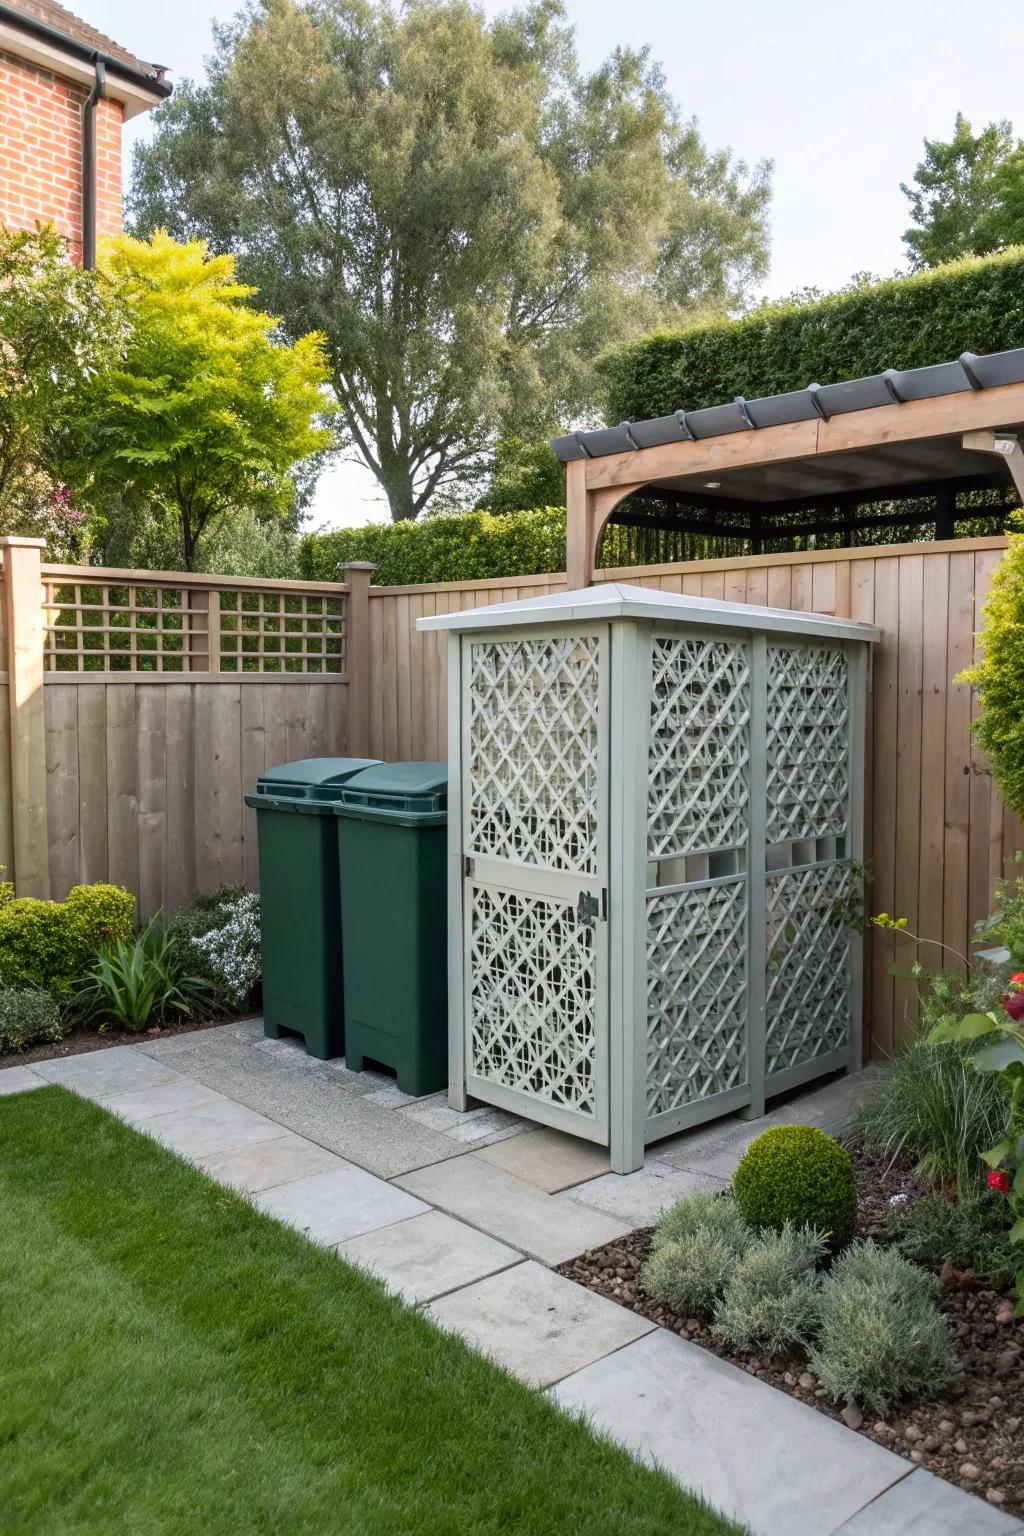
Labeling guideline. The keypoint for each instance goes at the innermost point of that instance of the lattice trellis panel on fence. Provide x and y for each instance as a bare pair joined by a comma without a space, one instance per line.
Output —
808,978
807,744
282,632
696,994
162,626
532,1000
532,784
699,746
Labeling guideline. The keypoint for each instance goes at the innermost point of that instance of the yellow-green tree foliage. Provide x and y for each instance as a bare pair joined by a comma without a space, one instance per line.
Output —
203,413
999,675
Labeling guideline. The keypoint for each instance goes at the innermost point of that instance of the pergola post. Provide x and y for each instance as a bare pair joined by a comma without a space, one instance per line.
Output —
579,563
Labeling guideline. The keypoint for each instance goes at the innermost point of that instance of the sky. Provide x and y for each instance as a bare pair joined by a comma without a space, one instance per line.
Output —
838,94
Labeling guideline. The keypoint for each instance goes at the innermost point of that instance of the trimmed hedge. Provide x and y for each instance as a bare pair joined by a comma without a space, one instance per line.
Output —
468,546
976,305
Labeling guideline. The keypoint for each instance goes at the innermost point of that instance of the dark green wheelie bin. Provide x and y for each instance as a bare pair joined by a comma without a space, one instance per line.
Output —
300,917
392,841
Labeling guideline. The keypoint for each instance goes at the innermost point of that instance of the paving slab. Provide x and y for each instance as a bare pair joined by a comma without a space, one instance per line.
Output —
716,1149
18,1080
318,1103
640,1198
265,1164
121,1069
204,1128
339,1203
754,1453
537,1324
548,1159
925,1505
428,1256
543,1226
146,1103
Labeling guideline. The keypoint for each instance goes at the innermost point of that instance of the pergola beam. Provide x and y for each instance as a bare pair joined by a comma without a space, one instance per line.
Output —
594,487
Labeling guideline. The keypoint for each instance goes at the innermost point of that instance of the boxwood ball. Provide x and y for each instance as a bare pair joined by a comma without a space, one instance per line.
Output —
799,1174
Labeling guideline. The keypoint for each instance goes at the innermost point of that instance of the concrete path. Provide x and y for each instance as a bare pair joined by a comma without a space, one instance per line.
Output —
464,1215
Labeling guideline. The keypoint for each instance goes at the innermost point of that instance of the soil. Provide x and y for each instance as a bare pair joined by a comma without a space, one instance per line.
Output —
973,1435
82,1040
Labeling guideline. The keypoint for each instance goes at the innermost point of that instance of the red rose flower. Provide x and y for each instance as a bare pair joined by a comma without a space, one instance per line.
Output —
999,1180
1013,1002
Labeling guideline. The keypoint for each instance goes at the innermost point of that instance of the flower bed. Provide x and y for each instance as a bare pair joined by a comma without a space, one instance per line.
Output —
971,1435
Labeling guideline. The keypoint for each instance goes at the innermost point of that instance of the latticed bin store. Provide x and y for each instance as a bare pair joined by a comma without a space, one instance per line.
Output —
655,823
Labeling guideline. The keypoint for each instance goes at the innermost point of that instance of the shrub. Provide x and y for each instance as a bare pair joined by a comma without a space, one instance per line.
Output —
690,1274
694,1250
218,935
881,1337
710,1212
971,1232
138,984
49,944
27,1017
6,892
974,305
798,1174
771,1298
999,675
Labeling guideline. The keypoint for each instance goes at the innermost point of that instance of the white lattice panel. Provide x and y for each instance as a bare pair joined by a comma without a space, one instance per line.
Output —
534,752
532,997
808,782
808,977
699,746
696,994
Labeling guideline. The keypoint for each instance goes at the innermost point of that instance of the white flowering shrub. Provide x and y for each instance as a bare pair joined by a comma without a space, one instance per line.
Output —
233,951
219,939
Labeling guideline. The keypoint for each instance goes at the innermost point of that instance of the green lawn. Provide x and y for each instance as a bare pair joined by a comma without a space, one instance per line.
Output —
171,1361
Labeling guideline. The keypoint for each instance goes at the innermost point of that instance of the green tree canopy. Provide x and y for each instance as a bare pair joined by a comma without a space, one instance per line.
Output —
465,214
967,197
202,415
55,332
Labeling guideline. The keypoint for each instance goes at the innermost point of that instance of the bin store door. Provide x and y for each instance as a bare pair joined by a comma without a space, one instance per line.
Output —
535,859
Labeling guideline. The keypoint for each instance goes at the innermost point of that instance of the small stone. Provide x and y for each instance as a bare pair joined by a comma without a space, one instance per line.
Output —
789,1379
913,1432
807,1381
947,1428
932,1442
967,1418
961,1447
969,1471
882,1430
995,1496
1004,1314
917,1455
852,1416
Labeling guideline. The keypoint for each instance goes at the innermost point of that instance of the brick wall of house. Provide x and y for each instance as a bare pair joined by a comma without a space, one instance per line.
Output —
41,153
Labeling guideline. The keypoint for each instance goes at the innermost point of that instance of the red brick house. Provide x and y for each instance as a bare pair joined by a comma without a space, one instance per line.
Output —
65,90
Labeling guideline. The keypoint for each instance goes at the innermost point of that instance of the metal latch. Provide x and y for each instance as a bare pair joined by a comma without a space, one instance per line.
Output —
588,909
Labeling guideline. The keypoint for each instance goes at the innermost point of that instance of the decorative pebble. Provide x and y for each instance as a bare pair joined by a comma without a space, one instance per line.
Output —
969,1471
852,1416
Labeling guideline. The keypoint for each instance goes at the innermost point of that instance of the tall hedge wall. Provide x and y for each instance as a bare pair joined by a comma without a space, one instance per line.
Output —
975,305
467,547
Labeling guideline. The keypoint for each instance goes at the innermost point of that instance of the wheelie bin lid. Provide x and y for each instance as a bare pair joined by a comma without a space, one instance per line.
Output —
413,794
307,785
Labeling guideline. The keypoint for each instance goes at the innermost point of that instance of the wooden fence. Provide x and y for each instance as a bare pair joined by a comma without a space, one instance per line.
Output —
142,706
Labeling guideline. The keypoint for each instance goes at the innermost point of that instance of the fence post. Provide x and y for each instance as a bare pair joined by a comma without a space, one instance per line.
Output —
23,595
357,656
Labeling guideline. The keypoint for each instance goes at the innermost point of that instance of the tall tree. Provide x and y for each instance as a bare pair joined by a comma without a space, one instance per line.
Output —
55,332
958,196
465,214
201,415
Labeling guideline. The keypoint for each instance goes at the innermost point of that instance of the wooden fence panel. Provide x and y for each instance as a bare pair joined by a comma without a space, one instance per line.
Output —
146,780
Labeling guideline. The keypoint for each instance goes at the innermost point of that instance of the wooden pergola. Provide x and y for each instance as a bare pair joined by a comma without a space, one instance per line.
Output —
756,469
